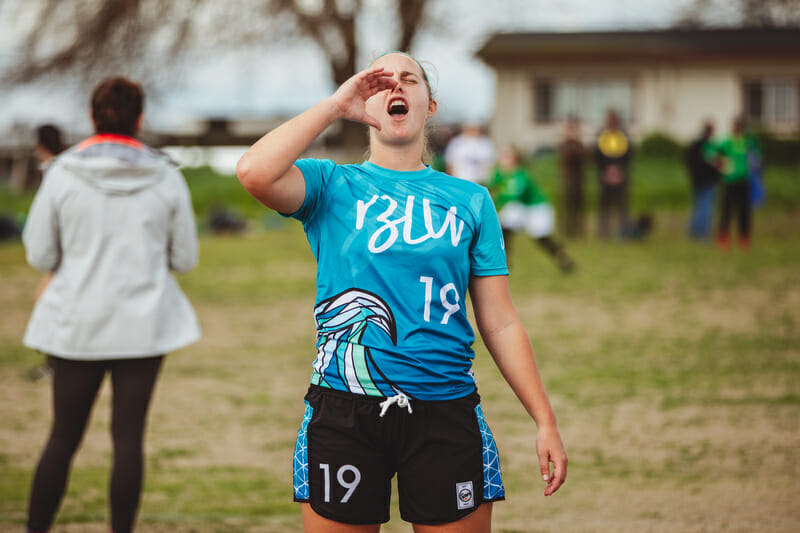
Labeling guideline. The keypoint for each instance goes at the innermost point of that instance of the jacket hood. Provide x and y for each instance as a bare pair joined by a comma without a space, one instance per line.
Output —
115,164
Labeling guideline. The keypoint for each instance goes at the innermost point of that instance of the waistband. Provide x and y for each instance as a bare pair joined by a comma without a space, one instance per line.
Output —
316,391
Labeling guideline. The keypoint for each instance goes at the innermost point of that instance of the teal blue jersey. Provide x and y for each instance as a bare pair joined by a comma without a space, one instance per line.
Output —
395,251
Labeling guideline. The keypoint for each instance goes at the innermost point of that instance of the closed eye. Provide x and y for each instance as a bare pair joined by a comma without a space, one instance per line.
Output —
408,77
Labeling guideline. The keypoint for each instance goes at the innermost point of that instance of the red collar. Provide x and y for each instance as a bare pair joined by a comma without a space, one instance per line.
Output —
110,138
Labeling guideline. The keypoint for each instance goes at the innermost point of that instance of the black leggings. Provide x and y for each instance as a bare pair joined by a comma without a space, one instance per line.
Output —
548,244
736,202
613,200
75,386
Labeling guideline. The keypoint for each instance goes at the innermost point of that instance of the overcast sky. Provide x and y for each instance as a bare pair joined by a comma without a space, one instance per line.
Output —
293,77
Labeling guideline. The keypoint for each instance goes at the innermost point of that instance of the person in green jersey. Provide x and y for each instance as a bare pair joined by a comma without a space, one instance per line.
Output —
522,206
732,156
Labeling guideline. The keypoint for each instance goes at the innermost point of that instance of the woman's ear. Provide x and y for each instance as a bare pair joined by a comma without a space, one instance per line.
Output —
432,105
138,125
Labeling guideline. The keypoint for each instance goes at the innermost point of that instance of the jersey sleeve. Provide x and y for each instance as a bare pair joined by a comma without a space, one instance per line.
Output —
487,253
315,173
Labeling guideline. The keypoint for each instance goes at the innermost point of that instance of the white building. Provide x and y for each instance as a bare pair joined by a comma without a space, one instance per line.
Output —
667,81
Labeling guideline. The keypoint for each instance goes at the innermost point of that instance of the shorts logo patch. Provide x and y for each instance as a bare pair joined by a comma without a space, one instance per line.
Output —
465,496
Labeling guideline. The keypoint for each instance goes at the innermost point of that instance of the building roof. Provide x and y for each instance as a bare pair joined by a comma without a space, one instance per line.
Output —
738,43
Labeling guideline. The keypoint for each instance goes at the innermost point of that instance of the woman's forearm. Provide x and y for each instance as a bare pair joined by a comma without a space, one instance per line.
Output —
511,350
267,169
269,160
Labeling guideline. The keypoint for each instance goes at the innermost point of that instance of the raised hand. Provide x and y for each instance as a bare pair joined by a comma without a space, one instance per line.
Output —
267,169
351,97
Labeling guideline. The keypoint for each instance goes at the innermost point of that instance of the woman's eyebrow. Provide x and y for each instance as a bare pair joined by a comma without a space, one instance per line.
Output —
405,74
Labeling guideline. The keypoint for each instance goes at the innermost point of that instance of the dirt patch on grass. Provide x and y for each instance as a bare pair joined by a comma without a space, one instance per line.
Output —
715,452
744,312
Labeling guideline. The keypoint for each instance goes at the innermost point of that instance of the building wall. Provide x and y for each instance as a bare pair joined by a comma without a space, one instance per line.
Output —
513,121
510,123
670,97
677,99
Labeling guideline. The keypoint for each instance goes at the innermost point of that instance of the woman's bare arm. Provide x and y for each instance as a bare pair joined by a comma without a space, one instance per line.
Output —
505,338
267,169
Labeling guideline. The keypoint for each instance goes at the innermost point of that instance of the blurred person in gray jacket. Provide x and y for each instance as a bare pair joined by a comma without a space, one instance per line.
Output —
110,221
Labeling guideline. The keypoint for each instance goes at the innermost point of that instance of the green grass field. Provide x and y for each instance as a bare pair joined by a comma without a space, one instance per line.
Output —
674,370
658,185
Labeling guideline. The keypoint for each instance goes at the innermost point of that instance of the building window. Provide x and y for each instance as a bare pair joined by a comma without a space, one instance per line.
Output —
772,102
589,100
753,100
543,101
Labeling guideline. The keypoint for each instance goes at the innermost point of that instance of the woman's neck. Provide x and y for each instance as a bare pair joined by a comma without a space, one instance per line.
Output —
402,158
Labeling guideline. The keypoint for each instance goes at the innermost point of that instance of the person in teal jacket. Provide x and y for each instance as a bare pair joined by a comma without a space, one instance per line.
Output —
522,206
733,156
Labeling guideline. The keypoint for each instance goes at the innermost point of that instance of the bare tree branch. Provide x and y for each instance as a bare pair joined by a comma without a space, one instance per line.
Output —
114,20
744,13
411,15
143,38
84,37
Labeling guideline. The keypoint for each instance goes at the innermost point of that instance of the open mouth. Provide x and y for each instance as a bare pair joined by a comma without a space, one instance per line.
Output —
398,107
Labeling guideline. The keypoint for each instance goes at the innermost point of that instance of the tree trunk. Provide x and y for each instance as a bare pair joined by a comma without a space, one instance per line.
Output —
352,136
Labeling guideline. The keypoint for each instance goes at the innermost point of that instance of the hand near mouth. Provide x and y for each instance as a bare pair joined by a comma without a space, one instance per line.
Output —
351,97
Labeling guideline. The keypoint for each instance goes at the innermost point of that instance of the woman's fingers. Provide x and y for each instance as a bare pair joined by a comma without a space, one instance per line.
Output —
369,120
556,480
351,97
550,449
378,80
559,475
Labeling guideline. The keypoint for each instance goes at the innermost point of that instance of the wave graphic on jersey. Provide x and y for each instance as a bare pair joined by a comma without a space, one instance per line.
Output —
341,323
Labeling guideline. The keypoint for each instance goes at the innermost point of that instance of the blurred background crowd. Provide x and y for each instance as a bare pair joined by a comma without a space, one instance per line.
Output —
641,84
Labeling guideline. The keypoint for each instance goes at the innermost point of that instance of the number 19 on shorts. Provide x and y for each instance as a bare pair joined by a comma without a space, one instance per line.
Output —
348,477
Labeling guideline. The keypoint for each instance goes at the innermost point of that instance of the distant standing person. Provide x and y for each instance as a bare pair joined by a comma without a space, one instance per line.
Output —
704,177
522,206
49,144
572,158
110,220
470,155
612,153
735,155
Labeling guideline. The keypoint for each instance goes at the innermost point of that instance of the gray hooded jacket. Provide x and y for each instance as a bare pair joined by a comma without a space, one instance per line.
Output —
111,219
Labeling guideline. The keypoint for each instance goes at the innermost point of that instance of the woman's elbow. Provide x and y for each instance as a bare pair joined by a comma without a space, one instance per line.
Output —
42,261
183,266
244,171
258,180
183,261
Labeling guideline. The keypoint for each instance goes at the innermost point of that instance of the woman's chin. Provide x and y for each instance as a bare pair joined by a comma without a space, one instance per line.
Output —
397,133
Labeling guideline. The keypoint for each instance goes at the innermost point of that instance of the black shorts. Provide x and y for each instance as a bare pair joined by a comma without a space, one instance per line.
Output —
346,455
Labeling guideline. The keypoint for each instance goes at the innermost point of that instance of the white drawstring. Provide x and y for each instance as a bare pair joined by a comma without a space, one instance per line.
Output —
400,399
